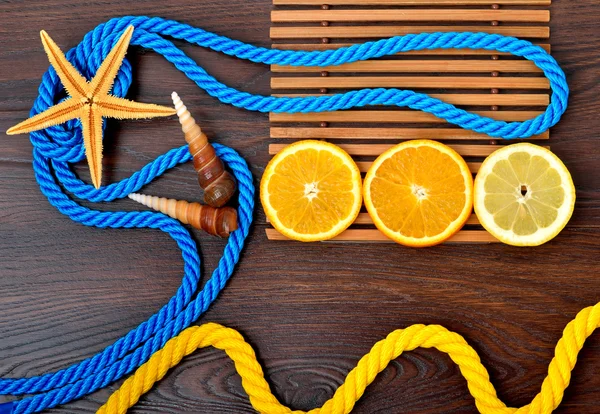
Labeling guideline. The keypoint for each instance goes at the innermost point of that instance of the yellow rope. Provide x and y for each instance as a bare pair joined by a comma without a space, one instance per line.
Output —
384,351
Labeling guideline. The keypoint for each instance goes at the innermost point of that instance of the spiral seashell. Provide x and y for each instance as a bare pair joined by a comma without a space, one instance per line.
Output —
216,221
219,186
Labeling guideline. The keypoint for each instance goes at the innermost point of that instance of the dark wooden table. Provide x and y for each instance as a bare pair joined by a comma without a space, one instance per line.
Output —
68,291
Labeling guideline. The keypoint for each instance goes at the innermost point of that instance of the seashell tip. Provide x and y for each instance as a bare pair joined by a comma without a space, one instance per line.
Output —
216,221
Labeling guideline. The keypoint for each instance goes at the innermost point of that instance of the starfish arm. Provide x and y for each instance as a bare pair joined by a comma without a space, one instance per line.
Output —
75,84
91,124
57,114
120,108
106,73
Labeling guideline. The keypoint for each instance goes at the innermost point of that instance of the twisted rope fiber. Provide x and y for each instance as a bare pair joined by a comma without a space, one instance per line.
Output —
382,353
58,146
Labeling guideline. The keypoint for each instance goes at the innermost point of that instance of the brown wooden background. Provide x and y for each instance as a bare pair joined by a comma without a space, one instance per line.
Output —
67,291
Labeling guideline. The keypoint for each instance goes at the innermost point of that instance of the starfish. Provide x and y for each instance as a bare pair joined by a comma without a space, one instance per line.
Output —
89,101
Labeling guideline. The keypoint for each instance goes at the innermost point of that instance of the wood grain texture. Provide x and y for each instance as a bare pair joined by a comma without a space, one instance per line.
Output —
420,66
386,31
384,133
428,82
411,15
309,310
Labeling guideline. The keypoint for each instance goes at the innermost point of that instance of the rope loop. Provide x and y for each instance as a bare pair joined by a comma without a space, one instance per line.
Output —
368,367
57,147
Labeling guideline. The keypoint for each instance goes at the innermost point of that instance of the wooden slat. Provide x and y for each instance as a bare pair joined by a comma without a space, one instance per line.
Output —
437,82
372,116
373,150
309,32
383,133
328,46
365,218
374,235
410,15
413,2
486,99
424,66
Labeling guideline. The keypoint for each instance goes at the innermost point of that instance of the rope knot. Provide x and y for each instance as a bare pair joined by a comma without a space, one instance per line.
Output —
64,142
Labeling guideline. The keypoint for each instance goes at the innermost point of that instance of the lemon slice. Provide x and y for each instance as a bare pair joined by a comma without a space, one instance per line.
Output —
311,191
524,195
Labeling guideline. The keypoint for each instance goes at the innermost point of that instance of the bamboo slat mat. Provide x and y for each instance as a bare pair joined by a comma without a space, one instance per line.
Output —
492,84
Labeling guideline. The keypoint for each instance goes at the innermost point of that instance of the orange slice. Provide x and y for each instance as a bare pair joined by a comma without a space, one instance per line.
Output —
419,193
311,191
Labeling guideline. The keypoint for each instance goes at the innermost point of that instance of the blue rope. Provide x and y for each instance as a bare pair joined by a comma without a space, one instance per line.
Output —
57,147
